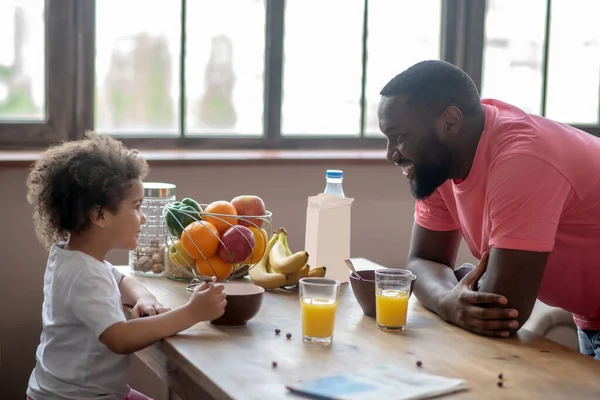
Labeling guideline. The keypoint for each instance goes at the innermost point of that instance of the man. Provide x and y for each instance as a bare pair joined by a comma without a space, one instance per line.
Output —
522,190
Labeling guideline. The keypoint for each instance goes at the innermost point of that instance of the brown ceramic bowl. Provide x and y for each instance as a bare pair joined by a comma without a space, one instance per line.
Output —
364,290
243,303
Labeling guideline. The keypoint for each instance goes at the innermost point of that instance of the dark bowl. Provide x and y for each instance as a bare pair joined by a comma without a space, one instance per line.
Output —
243,303
364,290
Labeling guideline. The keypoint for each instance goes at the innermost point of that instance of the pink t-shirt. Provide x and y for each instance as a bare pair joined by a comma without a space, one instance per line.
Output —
534,185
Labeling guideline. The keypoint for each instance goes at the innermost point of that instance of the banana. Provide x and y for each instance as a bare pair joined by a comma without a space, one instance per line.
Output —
317,272
259,273
293,279
281,257
238,266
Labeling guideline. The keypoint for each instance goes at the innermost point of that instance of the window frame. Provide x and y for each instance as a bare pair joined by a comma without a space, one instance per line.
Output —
60,70
70,71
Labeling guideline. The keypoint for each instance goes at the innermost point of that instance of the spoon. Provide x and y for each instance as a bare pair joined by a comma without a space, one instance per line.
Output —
351,266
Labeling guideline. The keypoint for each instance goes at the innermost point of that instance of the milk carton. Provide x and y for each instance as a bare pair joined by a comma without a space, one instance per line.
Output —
327,239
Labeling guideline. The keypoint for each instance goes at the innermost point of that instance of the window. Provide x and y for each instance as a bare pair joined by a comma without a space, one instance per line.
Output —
276,74
22,78
544,56
137,67
213,83
37,58
322,69
401,33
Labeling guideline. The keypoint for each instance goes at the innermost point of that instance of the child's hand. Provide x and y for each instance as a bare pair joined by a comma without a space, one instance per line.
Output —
148,306
207,301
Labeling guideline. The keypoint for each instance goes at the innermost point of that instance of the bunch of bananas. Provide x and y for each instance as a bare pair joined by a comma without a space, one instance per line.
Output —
280,267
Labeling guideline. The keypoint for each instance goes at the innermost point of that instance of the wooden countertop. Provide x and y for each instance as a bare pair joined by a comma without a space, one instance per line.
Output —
236,362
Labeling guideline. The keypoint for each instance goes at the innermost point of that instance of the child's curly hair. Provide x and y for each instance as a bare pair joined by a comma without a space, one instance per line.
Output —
72,177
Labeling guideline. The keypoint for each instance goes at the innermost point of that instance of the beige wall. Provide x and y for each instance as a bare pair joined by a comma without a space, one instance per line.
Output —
382,216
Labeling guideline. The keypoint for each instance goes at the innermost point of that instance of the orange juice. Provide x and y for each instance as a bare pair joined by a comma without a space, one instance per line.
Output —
392,308
318,317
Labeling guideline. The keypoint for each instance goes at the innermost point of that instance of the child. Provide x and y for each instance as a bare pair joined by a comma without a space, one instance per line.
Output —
86,196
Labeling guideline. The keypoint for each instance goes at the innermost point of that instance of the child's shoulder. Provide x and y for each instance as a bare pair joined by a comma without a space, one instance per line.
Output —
75,264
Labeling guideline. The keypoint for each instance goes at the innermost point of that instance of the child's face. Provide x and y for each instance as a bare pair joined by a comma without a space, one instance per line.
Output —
125,225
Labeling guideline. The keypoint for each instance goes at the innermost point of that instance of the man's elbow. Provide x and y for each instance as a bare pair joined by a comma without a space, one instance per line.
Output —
521,319
523,315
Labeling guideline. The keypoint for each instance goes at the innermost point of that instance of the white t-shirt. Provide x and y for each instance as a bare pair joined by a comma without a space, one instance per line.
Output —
81,300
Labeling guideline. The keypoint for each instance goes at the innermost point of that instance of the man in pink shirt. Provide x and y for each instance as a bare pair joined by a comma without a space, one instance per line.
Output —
522,190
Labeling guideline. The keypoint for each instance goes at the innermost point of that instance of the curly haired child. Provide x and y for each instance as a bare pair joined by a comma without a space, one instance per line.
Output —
86,196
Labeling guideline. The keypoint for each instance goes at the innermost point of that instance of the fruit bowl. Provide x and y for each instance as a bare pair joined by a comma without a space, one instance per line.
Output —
364,290
244,300
214,239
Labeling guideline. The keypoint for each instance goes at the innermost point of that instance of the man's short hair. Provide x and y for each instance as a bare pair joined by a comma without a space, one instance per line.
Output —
431,86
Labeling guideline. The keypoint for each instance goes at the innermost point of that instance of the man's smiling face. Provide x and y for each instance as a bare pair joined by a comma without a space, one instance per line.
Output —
414,145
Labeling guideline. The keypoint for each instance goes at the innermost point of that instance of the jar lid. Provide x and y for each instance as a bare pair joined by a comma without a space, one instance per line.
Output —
158,189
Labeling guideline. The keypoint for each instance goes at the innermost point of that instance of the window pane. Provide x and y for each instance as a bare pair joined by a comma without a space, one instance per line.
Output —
137,66
22,60
322,68
513,52
401,33
225,58
574,62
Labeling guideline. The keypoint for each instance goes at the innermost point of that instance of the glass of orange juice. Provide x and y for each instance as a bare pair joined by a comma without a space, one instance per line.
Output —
392,290
318,300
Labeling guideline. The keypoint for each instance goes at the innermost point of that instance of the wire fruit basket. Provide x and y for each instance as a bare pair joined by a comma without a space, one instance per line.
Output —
205,244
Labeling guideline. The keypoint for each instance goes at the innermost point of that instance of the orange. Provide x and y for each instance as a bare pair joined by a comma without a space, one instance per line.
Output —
260,244
227,217
200,237
214,266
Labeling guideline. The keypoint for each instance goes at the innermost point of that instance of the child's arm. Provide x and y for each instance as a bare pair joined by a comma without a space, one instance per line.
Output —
206,303
133,291
135,294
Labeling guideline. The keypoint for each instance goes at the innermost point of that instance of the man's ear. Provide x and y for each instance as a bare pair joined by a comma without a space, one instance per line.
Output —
451,122
97,216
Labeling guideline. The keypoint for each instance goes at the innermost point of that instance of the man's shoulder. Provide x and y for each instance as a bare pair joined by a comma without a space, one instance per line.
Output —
511,128
512,134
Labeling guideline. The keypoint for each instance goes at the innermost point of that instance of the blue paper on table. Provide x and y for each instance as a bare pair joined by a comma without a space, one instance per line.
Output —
384,381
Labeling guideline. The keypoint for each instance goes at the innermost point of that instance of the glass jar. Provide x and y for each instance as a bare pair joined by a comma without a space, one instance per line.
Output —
149,257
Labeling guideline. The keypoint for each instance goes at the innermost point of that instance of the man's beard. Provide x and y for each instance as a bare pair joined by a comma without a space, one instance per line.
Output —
427,178
429,175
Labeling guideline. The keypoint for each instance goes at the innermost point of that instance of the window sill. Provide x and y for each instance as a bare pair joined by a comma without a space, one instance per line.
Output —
198,157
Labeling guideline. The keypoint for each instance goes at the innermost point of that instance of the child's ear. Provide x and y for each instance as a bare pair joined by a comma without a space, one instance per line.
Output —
97,216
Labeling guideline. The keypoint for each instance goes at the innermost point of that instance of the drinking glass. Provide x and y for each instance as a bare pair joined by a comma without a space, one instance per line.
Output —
318,300
392,290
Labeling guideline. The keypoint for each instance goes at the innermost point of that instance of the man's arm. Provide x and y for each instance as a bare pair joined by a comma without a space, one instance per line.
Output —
517,275
434,247
431,258
526,198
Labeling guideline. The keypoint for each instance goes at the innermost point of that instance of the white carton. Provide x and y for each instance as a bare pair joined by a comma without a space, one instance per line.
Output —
327,240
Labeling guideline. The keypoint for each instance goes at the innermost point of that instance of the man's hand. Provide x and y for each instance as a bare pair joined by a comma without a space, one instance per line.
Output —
148,306
478,312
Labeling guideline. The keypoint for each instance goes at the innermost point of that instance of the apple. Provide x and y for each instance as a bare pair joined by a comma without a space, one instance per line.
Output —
249,206
236,244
